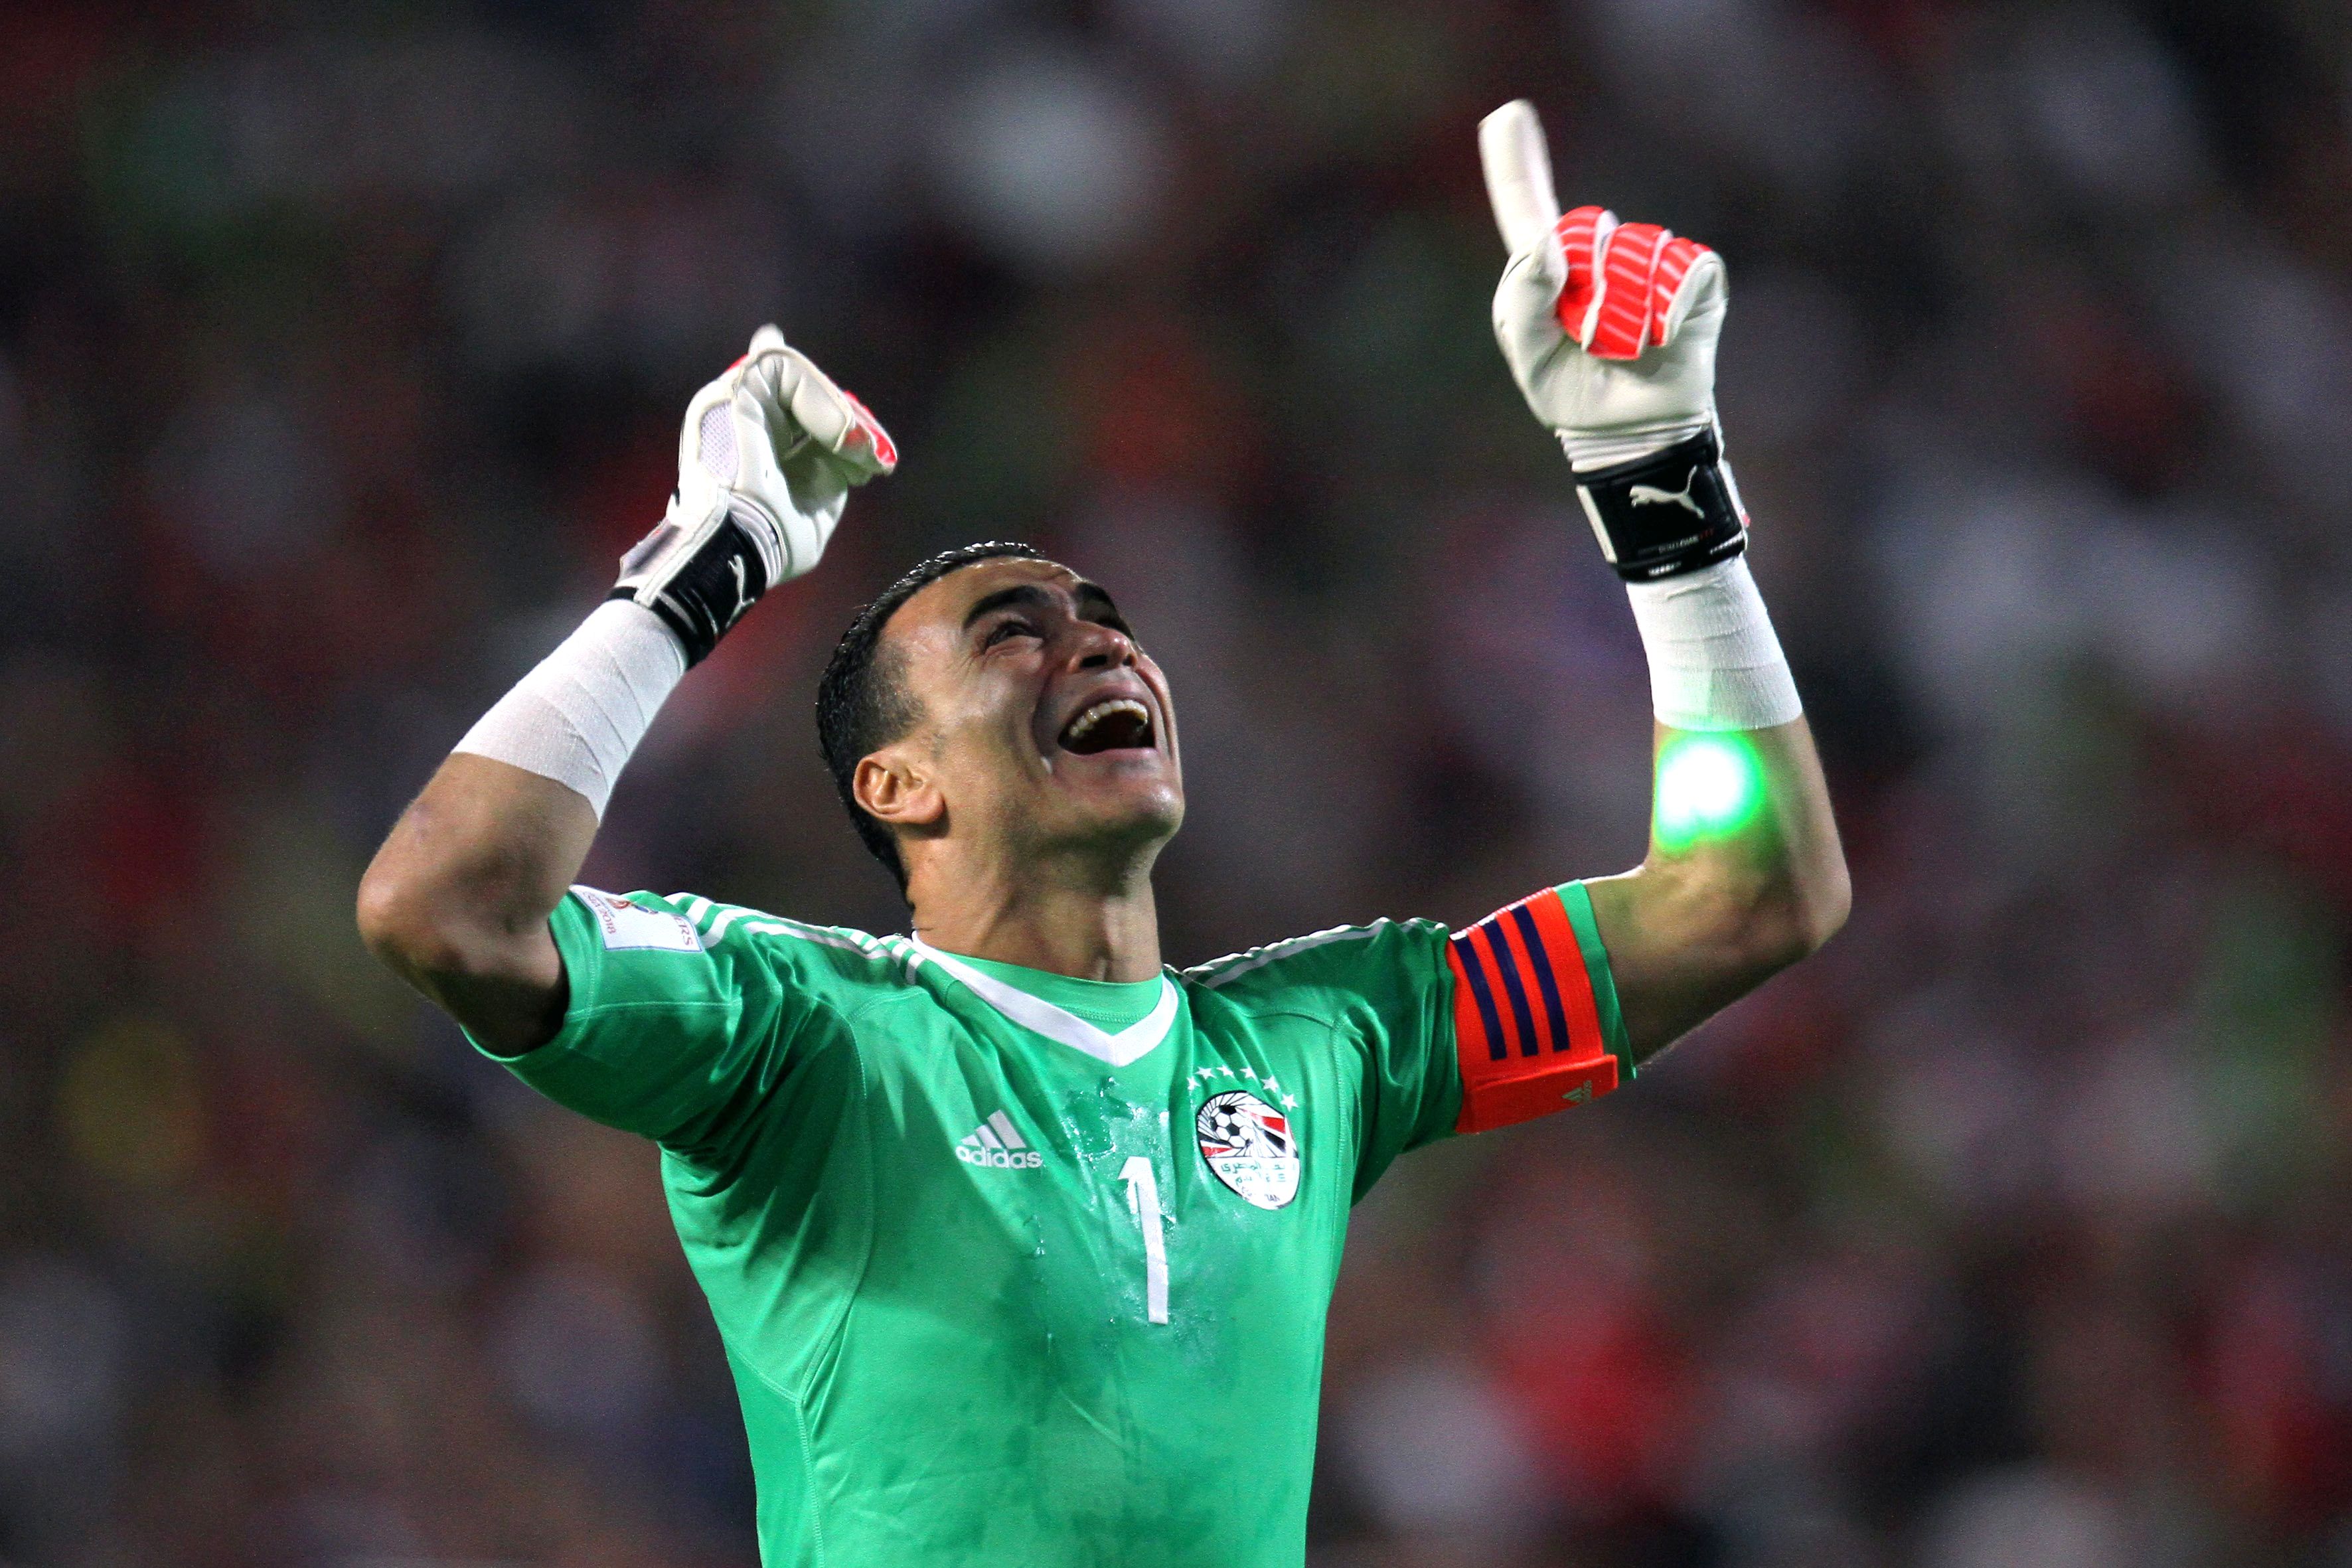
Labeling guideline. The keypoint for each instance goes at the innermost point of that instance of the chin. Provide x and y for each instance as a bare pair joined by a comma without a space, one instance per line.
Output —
1146,814
1157,815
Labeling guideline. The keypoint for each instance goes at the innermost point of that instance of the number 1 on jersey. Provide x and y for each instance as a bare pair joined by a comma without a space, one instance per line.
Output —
1143,1198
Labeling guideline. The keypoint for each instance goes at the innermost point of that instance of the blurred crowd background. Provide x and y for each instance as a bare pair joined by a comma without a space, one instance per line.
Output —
342,352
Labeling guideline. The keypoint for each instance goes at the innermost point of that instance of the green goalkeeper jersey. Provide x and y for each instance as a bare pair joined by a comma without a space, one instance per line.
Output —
1029,1271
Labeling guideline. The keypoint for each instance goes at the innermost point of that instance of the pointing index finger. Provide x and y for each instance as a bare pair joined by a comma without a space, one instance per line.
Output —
1519,174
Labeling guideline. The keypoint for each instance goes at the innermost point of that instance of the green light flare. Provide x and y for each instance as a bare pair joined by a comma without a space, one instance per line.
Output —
1709,786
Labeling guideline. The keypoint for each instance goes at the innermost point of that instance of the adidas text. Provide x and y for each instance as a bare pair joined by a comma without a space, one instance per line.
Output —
997,1144
1001,1159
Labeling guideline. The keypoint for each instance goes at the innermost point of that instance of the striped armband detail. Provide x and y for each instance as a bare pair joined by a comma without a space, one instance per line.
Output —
1535,1011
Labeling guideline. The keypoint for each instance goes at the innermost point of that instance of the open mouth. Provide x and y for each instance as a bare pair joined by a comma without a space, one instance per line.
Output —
1116,723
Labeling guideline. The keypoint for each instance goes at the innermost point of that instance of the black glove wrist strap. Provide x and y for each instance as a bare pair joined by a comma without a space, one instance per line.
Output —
1668,513
708,593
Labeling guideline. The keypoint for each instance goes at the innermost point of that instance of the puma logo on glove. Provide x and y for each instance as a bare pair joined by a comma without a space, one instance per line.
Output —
1651,495
743,589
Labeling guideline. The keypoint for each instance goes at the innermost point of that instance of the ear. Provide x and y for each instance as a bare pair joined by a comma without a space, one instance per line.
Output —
891,787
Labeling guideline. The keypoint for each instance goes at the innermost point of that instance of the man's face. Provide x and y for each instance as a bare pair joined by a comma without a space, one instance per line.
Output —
1042,726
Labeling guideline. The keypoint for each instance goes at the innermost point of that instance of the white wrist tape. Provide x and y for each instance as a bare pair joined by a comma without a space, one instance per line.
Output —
1715,663
577,717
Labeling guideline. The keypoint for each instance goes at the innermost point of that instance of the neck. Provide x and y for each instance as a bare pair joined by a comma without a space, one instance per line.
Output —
1089,928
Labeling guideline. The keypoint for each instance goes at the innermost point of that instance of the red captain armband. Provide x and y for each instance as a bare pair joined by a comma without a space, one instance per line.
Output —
1527,1021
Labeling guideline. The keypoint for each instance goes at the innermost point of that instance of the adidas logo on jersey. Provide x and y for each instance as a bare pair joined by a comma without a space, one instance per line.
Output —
997,1144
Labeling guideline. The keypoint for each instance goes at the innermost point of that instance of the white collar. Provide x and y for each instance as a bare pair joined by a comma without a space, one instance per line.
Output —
1128,1045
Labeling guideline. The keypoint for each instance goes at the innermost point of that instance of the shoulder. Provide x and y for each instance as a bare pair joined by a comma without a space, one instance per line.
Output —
1326,966
796,951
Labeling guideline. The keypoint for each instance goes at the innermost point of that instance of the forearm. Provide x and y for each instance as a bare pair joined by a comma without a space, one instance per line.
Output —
1743,876
458,899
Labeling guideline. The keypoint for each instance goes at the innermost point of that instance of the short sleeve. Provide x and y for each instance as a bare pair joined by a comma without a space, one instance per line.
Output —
1386,990
670,1031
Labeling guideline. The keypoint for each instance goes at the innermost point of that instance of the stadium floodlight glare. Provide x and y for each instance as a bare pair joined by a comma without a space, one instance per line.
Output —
1708,786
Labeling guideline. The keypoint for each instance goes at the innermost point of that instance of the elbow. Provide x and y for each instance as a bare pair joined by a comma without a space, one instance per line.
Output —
1751,927
1824,902
1798,917
409,928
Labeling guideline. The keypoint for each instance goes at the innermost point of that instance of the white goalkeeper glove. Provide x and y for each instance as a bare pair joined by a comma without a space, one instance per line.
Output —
767,456
1610,328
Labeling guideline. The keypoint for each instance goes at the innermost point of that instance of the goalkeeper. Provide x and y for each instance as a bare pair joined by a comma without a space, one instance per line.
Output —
1020,1243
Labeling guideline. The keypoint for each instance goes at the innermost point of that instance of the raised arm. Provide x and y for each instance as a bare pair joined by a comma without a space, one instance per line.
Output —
456,901
1609,329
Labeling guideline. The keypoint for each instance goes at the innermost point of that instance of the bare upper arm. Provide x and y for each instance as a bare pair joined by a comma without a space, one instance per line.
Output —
456,901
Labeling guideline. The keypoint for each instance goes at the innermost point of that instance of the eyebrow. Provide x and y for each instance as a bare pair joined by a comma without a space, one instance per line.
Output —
1087,595
1019,593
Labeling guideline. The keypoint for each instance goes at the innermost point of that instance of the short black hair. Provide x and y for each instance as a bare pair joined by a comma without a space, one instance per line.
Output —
861,703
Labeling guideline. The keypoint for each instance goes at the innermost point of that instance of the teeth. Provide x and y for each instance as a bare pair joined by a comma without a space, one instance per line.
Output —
1101,710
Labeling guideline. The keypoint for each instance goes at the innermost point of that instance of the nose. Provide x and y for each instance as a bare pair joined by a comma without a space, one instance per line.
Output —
1099,647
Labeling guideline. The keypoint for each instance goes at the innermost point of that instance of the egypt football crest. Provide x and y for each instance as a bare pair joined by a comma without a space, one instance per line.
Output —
1249,1144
